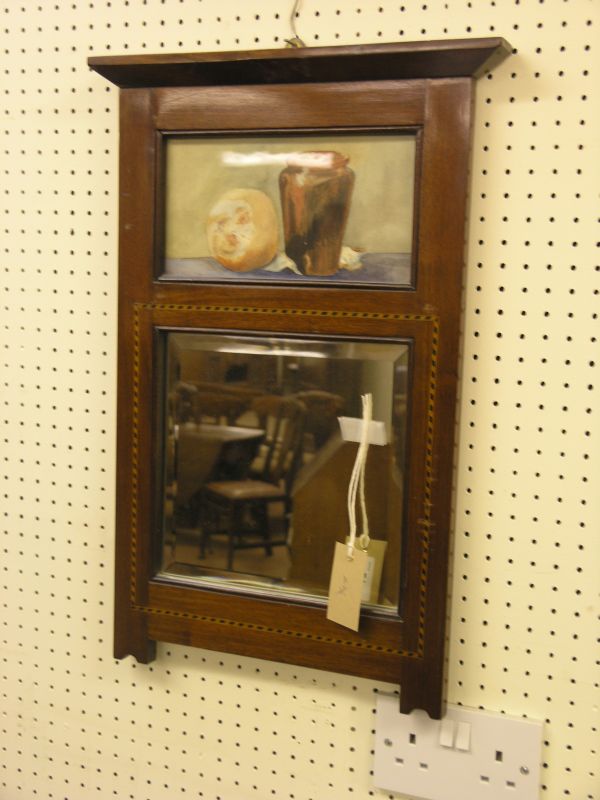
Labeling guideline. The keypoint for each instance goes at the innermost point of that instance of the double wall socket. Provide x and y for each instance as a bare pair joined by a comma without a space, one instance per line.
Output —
468,755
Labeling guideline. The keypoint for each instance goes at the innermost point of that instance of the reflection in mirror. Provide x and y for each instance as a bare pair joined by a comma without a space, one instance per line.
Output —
255,471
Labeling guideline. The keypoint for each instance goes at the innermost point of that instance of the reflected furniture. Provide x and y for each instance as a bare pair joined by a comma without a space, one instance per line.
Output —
205,402
241,508
213,452
322,412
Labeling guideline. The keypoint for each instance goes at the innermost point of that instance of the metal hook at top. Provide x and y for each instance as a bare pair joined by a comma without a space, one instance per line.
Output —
295,41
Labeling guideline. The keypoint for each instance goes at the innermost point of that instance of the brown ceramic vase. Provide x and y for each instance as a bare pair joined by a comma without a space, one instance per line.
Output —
315,202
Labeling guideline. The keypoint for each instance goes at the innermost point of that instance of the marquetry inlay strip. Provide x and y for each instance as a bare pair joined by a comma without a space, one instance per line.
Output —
424,522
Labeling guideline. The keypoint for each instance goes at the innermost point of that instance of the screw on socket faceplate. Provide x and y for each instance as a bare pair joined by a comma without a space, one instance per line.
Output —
412,757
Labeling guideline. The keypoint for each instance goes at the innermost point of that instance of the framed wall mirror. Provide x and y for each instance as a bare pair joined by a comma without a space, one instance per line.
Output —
291,237
251,444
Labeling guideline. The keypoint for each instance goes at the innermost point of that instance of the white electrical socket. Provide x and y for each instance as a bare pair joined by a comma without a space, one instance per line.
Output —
468,755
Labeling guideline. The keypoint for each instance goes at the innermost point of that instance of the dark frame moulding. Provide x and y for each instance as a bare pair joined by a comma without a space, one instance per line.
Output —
425,86
450,58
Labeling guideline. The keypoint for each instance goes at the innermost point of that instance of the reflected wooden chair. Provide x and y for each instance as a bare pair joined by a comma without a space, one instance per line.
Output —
181,402
240,508
322,412
218,407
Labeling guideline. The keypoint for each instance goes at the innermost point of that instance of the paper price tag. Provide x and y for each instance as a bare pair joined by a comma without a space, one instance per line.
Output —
372,579
367,586
346,586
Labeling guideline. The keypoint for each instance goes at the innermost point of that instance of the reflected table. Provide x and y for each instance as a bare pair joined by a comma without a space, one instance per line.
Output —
212,452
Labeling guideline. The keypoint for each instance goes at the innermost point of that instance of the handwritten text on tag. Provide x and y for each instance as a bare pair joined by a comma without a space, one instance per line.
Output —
346,586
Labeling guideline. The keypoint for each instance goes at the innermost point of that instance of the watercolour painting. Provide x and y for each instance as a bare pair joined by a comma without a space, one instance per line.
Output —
335,209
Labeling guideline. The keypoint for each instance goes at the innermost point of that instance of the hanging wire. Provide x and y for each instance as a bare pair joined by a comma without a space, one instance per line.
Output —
295,41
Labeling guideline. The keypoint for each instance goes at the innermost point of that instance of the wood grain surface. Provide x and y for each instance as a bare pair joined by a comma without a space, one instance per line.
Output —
405,647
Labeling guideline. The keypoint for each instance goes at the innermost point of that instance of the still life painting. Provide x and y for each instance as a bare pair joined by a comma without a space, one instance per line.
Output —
326,209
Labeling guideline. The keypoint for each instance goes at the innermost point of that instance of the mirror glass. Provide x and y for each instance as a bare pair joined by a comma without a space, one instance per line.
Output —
255,466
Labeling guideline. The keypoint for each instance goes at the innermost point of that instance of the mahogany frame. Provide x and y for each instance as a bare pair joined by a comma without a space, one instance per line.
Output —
427,87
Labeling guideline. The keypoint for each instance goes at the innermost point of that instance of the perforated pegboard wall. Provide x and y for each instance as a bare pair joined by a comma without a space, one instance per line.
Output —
75,723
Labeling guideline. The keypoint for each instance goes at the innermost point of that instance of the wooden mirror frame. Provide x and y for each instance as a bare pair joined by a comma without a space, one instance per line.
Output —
425,86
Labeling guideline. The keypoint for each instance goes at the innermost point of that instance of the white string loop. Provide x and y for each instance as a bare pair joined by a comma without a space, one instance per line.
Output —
357,480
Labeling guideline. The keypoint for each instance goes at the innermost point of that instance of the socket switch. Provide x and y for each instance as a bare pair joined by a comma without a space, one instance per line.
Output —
468,754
